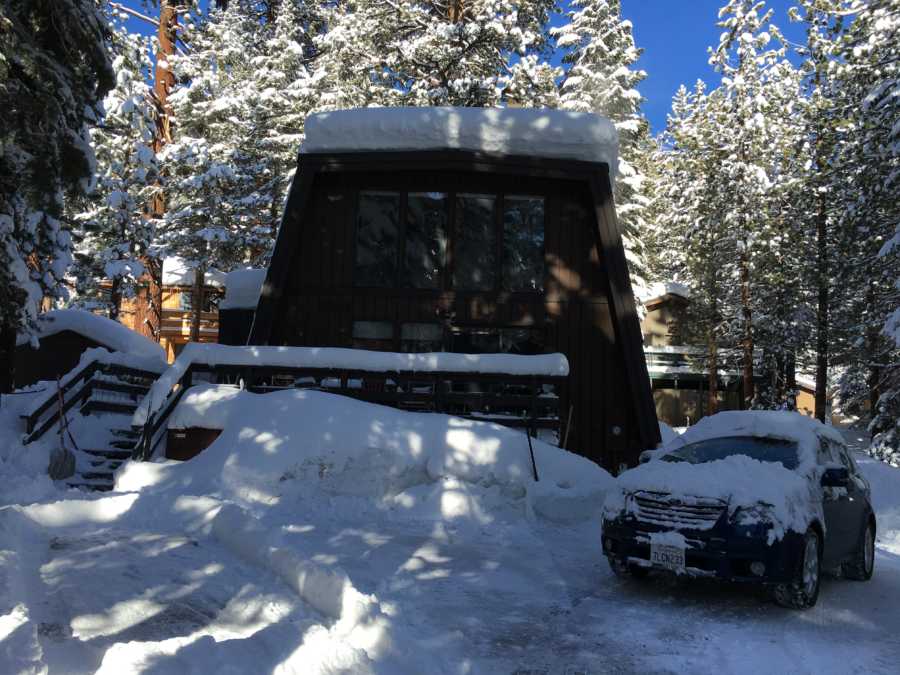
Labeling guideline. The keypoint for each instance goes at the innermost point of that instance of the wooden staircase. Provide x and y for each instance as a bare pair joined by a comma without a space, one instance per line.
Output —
108,395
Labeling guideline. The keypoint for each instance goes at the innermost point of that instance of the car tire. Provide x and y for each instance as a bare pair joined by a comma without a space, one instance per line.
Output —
862,565
803,591
623,570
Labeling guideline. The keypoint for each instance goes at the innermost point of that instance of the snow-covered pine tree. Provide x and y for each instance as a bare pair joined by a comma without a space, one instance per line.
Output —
744,58
54,71
601,77
869,81
114,230
694,245
434,52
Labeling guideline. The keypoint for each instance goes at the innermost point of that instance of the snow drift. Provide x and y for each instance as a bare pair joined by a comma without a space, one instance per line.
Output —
421,464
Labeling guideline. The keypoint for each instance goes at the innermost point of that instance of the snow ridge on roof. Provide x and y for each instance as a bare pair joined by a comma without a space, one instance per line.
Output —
547,133
180,272
661,289
107,332
242,288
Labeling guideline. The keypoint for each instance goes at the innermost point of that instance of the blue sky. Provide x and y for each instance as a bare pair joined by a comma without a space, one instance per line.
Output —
674,35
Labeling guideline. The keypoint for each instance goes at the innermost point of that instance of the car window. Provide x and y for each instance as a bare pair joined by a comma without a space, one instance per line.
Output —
847,460
826,453
761,449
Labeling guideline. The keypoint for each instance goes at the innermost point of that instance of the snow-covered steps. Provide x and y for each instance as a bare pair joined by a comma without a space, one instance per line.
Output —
105,442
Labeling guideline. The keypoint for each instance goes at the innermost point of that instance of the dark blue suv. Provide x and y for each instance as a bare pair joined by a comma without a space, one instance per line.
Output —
762,497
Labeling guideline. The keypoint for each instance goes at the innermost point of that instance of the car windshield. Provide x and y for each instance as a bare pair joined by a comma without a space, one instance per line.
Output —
762,449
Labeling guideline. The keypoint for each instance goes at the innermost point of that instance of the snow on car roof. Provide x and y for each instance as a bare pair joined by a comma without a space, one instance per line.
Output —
548,133
788,425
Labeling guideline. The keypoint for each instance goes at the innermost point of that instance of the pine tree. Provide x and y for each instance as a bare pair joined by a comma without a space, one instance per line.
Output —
54,71
744,58
415,53
601,77
114,230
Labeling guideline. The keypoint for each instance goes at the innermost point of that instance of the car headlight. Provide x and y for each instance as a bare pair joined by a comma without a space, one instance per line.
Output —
758,516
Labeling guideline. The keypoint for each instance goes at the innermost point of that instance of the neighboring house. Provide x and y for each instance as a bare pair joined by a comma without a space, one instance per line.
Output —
178,304
678,375
472,231
61,338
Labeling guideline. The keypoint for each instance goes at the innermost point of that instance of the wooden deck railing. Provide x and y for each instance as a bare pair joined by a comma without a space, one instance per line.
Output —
530,402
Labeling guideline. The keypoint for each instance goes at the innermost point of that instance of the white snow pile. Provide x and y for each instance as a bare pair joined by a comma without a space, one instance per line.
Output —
421,465
346,359
23,469
744,483
180,272
505,131
242,288
107,332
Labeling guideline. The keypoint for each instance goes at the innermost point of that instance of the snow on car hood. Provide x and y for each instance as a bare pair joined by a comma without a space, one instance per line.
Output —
738,480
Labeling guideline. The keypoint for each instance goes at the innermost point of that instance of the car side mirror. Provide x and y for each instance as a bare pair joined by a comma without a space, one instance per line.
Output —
645,456
836,476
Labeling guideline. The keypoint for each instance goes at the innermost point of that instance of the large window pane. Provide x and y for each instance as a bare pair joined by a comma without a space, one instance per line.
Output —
474,254
523,243
377,239
426,239
421,337
375,335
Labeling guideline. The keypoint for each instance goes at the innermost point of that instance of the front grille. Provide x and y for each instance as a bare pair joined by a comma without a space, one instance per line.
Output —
689,513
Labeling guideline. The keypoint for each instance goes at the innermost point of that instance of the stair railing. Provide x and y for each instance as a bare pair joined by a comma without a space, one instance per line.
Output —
77,387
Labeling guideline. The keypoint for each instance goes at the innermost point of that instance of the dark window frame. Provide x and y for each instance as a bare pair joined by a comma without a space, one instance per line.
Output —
448,269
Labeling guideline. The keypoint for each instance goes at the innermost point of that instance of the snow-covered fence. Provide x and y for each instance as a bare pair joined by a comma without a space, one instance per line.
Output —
513,390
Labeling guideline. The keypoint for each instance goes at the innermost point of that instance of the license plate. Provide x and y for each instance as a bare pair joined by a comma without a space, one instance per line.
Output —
667,557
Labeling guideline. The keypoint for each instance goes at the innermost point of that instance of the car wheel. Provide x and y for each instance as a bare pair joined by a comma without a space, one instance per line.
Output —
803,591
862,565
625,571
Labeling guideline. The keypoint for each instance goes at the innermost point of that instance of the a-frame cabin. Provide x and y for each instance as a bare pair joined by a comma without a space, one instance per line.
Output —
474,231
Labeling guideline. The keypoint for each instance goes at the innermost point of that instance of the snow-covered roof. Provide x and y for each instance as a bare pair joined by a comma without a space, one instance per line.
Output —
506,131
659,290
180,272
104,331
242,288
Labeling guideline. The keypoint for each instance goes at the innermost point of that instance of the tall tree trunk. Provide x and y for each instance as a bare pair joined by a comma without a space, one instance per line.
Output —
115,298
747,313
872,338
148,303
822,325
713,401
197,302
8,334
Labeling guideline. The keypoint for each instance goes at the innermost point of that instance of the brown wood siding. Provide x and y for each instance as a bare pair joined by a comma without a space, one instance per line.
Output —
58,354
312,300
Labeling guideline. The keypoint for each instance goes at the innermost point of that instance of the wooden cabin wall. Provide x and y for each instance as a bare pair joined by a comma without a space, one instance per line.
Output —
58,354
320,303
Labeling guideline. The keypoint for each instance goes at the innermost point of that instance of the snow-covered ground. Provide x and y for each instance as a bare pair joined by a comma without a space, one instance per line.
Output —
284,550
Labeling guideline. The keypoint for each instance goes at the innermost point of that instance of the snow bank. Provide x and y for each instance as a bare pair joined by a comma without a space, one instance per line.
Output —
180,272
98,328
350,359
420,464
242,289
506,131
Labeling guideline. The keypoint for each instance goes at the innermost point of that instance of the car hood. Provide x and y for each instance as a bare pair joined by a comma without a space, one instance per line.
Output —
739,481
